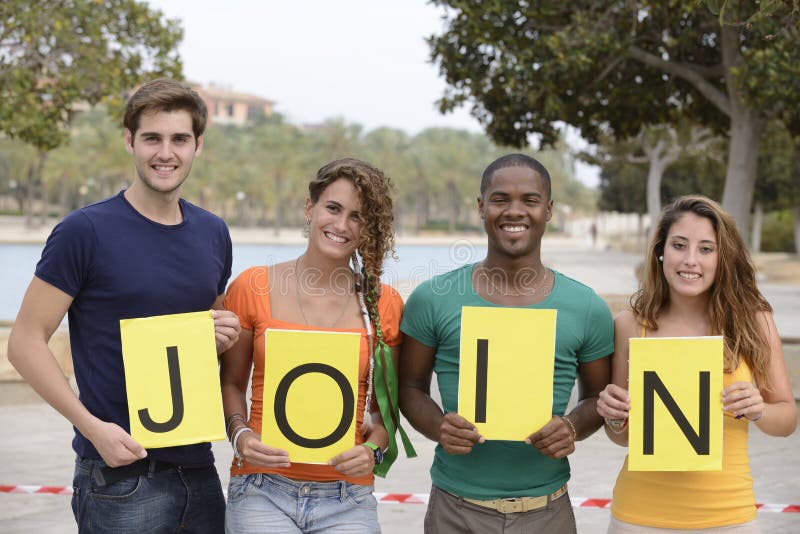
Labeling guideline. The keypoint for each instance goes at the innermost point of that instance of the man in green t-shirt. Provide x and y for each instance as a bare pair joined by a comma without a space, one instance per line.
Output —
503,486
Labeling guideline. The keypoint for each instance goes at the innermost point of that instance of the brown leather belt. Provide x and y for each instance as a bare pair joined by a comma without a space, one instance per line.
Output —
519,504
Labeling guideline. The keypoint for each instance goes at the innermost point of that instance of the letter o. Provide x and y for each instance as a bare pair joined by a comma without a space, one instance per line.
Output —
348,405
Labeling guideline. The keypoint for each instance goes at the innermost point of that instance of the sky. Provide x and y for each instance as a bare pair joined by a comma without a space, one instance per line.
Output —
365,61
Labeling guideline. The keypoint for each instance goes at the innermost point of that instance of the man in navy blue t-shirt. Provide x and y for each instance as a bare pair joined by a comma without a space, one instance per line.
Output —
141,253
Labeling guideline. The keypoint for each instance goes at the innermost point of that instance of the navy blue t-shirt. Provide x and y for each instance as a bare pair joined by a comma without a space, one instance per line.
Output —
118,264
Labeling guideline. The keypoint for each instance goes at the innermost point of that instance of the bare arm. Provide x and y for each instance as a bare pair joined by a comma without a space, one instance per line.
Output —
773,410
592,378
43,308
236,364
614,401
453,432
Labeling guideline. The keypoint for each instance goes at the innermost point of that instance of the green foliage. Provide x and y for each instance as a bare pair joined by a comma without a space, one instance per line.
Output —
524,66
777,232
778,184
623,185
55,55
612,67
259,174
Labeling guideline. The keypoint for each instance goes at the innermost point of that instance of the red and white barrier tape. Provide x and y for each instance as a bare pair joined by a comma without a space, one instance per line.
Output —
396,498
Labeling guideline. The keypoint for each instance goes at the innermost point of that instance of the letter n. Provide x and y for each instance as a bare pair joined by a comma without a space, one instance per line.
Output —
653,385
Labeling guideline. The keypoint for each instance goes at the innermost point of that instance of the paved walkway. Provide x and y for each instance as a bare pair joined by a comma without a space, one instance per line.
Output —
35,441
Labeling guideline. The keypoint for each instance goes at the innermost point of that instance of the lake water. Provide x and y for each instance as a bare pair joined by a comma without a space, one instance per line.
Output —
415,264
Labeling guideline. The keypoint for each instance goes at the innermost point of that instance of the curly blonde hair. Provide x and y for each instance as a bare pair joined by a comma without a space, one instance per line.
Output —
377,213
734,298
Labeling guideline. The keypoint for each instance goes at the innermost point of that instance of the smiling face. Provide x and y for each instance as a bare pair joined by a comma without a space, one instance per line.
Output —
163,149
691,256
335,220
515,209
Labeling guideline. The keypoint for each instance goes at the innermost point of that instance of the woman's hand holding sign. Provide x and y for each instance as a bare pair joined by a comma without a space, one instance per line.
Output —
254,452
357,461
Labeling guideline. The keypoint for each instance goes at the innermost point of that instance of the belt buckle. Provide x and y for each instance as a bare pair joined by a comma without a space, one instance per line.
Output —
509,506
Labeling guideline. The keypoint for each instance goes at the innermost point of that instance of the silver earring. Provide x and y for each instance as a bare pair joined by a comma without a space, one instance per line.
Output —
661,258
307,228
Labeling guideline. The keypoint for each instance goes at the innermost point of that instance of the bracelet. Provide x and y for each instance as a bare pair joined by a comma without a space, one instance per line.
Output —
229,422
574,432
617,426
235,441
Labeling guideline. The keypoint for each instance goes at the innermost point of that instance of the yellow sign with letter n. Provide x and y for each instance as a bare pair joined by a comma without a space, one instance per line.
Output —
172,379
676,404
505,381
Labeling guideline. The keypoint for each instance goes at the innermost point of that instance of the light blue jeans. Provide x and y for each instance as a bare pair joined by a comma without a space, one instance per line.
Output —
272,503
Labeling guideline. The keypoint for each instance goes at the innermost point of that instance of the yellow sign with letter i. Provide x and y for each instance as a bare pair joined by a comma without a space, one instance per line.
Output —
505,379
310,393
676,404
172,379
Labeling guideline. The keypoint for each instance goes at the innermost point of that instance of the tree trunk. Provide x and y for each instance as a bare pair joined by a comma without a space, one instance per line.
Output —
654,174
34,189
740,178
64,201
745,136
276,229
454,207
423,203
796,213
758,223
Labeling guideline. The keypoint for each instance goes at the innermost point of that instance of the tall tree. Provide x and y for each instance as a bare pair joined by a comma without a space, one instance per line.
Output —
57,56
618,65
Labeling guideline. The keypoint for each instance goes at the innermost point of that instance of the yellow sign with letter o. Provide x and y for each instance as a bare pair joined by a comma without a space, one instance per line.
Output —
310,393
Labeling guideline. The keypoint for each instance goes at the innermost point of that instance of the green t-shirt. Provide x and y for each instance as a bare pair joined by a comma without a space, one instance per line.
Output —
501,469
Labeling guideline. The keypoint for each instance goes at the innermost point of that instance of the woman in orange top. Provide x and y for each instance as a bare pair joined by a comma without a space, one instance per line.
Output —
348,215
699,281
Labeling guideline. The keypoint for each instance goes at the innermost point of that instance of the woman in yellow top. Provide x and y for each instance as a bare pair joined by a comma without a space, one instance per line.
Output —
348,216
699,280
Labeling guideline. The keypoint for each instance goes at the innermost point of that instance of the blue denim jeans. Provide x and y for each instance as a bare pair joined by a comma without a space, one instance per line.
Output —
272,503
174,500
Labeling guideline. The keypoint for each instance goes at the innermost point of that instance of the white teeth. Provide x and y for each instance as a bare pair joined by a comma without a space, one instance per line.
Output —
689,276
163,168
513,229
334,237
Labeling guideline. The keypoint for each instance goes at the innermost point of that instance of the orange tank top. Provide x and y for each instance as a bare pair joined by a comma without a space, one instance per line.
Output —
693,499
248,297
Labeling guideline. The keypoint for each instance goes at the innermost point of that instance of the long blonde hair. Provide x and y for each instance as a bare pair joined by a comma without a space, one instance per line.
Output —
734,299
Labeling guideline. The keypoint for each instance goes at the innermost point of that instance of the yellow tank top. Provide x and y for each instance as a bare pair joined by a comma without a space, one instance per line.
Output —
693,499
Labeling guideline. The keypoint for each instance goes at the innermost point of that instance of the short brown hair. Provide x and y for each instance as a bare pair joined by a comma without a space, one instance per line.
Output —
165,94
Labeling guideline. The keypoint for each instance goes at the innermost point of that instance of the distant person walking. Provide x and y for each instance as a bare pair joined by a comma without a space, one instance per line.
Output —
593,235
698,280
143,252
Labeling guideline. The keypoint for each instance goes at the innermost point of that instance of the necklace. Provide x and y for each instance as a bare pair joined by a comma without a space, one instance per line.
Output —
525,292
300,301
